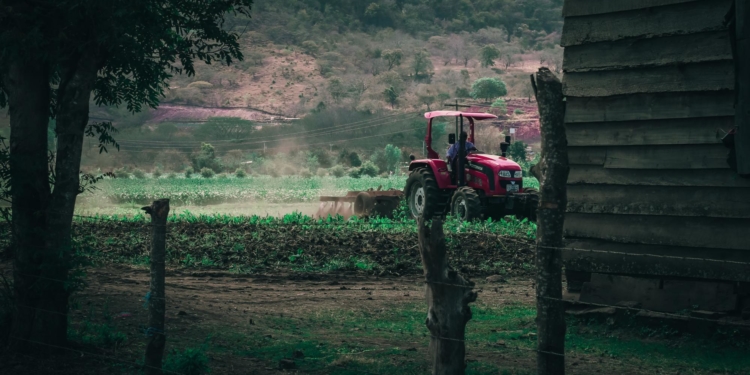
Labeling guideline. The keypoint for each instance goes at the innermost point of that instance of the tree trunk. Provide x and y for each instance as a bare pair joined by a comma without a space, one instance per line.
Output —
550,220
448,298
36,317
42,219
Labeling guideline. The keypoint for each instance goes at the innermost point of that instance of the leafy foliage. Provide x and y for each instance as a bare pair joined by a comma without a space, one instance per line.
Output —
392,158
488,88
517,151
191,361
488,55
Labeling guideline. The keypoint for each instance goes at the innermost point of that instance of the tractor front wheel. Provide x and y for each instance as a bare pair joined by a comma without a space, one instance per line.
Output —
422,194
466,204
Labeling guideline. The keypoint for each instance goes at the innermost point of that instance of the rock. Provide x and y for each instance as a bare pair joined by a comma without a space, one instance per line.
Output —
495,279
298,354
287,364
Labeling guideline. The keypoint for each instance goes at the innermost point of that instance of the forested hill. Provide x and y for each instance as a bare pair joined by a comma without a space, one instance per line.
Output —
294,19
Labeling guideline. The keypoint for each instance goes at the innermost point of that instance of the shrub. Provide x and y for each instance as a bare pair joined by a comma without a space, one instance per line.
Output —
499,105
322,172
122,173
355,173
518,111
354,159
240,173
157,172
172,160
207,172
369,169
206,158
192,361
172,175
288,170
139,174
463,93
338,171
305,173
222,176
273,173
189,172
517,151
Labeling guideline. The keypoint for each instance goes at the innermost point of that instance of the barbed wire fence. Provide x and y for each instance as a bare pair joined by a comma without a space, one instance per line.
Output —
102,290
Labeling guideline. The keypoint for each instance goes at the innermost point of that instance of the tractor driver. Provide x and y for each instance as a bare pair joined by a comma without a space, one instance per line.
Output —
452,154
453,150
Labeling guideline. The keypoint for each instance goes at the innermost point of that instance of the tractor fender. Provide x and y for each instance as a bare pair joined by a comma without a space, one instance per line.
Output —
439,169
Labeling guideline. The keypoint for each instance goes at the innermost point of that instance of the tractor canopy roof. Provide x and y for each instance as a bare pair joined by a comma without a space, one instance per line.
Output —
475,116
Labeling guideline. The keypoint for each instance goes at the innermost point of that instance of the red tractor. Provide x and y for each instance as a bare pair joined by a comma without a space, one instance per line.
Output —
474,185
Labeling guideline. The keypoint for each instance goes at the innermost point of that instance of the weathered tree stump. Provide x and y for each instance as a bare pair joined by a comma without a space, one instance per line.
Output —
448,298
550,318
159,211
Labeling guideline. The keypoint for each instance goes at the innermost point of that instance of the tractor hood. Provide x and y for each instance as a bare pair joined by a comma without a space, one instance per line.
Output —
495,162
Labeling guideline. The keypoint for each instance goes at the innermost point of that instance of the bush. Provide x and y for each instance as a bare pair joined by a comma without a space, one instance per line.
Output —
172,175
206,158
222,176
122,173
139,174
322,172
192,361
207,172
369,169
517,151
189,172
305,173
157,172
288,170
518,111
500,106
463,93
488,88
338,171
355,173
240,173
354,159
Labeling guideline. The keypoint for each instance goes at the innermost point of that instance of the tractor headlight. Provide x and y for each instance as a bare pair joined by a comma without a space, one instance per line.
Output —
518,174
505,174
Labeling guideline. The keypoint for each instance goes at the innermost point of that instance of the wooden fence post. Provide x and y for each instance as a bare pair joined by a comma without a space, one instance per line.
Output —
159,210
550,319
448,298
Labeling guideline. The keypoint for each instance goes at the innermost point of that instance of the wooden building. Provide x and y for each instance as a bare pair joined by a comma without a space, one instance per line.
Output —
651,88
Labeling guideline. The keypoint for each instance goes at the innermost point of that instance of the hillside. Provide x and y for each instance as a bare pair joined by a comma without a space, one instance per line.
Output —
345,53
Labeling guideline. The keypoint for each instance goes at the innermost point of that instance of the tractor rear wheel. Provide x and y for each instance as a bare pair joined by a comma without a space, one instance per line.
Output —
466,204
422,194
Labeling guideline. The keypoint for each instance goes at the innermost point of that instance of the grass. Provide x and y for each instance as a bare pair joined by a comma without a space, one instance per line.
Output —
394,340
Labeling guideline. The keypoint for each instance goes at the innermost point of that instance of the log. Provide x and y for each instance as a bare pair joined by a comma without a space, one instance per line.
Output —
708,76
598,175
159,211
691,131
660,200
687,18
550,222
632,53
574,8
448,297
653,106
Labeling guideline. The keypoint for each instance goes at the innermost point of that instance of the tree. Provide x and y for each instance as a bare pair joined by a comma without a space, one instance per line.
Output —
488,55
488,88
508,58
421,65
420,131
391,96
392,57
392,158
500,105
517,151
121,52
336,89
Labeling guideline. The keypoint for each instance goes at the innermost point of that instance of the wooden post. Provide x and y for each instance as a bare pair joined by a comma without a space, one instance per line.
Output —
159,210
448,298
742,63
550,318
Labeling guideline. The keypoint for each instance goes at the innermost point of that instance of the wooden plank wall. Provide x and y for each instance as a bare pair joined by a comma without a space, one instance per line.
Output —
650,91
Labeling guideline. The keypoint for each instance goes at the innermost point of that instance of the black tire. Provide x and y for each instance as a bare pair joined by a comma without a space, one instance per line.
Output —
363,205
466,204
422,194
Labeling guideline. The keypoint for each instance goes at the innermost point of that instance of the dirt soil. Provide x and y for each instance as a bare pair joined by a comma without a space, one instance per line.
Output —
199,303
